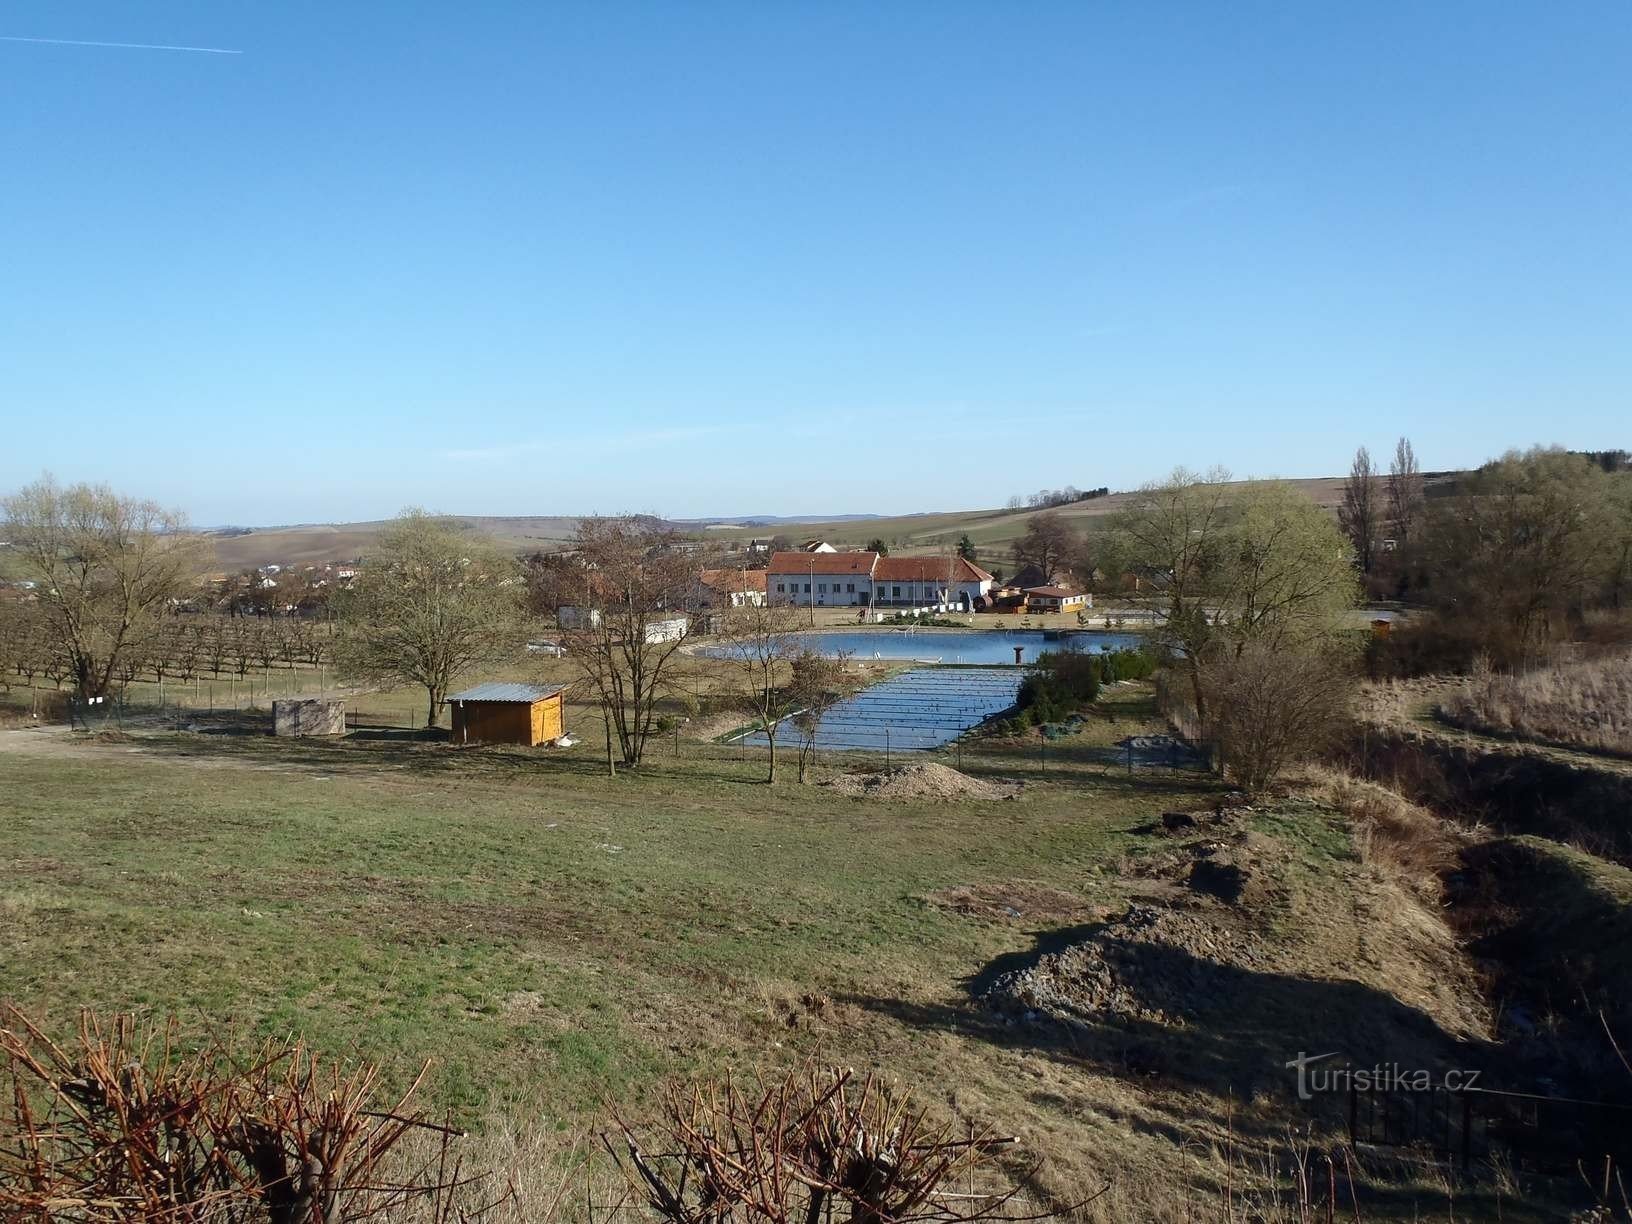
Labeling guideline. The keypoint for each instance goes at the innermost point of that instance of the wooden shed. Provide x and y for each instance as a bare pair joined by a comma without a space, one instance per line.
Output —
502,713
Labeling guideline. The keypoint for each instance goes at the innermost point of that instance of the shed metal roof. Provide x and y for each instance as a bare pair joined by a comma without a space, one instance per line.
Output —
501,691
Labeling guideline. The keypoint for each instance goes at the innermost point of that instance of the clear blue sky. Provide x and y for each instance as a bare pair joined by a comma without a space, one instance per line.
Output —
797,258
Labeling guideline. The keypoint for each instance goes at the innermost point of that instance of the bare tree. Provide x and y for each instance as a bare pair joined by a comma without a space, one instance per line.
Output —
432,603
1405,498
761,641
107,567
819,683
630,627
1049,542
1361,509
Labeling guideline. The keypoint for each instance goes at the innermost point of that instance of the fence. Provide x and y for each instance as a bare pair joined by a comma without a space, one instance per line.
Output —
1546,1133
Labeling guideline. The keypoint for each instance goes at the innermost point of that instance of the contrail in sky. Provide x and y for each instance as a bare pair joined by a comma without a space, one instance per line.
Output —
75,42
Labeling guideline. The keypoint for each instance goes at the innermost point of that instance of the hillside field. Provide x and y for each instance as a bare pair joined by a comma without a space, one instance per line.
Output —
993,531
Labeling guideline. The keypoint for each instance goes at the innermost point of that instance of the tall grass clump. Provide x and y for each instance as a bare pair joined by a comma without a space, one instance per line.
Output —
1586,704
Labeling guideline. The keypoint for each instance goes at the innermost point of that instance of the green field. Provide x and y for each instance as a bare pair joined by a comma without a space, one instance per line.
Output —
556,942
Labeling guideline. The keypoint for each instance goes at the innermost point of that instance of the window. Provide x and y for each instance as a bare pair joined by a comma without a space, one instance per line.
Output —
849,588
895,592
807,588
779,589
822,587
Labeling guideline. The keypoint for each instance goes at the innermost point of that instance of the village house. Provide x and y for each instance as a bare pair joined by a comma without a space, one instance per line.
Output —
1056,599
731,588
868,580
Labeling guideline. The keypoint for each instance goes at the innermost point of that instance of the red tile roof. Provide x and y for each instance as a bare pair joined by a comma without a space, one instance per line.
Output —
928,569
823,563
734,580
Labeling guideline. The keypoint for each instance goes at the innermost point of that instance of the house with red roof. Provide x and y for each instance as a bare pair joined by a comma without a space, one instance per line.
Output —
869,580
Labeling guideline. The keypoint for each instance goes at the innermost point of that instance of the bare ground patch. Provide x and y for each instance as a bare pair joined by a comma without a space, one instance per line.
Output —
926,780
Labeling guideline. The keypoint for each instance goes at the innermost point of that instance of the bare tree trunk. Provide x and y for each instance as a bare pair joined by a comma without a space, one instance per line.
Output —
611,762
770,738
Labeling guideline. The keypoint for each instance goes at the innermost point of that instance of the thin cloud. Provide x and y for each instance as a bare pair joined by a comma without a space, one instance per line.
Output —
79,42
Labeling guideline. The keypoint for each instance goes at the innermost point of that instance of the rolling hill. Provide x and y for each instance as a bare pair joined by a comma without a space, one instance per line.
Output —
992,531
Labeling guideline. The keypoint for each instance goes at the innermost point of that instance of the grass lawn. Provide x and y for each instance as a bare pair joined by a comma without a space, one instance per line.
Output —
536,929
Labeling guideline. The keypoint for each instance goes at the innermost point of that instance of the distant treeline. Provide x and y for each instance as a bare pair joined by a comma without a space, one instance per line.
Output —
1046,499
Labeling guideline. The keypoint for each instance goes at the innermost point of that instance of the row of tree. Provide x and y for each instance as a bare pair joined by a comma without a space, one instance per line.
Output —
180,646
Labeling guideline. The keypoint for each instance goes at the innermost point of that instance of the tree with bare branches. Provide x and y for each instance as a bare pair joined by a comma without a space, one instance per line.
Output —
761,641
1273,706
107,568
1049,542
1405,497
635,585
1361,511
433,602
819,683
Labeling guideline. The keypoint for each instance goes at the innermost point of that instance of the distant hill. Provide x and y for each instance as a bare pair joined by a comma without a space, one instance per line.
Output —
722,521
993,531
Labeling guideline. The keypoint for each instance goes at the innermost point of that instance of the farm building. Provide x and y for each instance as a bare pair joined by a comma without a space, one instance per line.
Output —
501,713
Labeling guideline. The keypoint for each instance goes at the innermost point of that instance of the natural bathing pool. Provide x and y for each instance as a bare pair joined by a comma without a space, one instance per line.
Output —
954,645
927,707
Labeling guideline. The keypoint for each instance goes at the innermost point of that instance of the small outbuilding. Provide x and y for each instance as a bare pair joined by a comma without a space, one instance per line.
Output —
506,713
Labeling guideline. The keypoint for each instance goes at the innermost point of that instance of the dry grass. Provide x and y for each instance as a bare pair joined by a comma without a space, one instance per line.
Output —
1584,704
1389,831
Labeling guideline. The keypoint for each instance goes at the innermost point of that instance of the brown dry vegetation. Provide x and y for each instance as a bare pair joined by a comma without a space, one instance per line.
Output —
1585,704
1389,831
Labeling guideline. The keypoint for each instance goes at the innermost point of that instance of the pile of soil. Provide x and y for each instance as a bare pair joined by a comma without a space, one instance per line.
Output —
1153,962
922,781
1232,957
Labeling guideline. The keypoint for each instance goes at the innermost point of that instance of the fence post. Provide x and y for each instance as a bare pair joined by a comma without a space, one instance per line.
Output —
886,746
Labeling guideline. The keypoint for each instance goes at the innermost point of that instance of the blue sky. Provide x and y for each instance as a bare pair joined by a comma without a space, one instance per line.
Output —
799,258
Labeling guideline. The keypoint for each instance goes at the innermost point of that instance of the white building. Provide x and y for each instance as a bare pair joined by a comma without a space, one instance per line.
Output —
867,580
668,629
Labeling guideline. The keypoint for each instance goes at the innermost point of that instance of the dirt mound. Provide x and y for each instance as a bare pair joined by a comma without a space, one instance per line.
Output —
1152,963
1249,958
921,781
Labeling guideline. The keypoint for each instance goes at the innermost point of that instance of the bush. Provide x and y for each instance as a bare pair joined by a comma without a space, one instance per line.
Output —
1270,707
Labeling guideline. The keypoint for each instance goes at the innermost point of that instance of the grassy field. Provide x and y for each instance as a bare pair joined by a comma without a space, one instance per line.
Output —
502,912
555,941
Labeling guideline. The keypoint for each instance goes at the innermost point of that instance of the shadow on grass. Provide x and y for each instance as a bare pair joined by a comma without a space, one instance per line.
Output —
1193,1025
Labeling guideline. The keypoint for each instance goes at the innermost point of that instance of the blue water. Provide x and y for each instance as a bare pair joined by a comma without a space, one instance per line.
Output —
951,646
